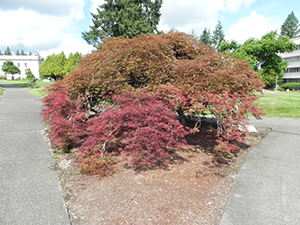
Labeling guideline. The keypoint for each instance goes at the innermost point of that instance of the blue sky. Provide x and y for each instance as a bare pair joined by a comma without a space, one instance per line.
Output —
52,26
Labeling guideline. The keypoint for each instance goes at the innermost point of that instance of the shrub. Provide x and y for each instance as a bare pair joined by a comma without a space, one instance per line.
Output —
65,117
139,125
280,89
160,75
290,86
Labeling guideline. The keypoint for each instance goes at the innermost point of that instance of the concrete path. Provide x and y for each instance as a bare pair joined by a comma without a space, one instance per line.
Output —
30,193
267,187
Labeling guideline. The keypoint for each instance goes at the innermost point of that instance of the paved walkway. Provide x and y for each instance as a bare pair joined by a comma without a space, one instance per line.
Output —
30,193
267,187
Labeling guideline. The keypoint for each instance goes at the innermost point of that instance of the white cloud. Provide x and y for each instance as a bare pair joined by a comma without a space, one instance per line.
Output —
253,26
95,5
196,15
188,15
30,28
48,7
68,45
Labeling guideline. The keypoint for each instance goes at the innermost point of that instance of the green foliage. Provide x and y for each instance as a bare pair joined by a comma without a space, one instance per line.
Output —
218,36
17,52
127,18
262,56
54,66
71,62
30,54
290,27
290,86
1,53
7,51
206,37
228,47
9,68
22,53
29,74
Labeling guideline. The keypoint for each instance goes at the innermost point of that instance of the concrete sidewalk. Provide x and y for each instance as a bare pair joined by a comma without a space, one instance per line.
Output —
267,187
30,193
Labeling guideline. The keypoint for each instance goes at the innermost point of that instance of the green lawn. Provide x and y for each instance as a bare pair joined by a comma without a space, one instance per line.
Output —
281,104
36,90
1,90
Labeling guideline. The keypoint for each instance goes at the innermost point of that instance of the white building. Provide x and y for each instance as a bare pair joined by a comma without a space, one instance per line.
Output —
23,63
292,74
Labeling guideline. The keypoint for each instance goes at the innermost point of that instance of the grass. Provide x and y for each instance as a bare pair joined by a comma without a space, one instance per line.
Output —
281,104
36,90
1,90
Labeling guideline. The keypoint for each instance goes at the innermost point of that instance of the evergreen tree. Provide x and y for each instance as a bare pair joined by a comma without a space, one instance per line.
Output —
206,37
29,74
127,18
1,53
30,54
218,36
71,62
23,53
290,27
53,66
17,52
7,51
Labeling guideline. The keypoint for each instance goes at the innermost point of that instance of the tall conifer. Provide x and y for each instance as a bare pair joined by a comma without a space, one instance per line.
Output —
127,18
290,27
218,36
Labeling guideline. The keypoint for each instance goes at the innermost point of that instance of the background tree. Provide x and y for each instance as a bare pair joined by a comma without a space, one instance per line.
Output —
29,74
7,51
229,46
1,53
206,37
30,54
23,53
9,68
127,18
53,66
290,27
218,36
17,52
262,55
72,62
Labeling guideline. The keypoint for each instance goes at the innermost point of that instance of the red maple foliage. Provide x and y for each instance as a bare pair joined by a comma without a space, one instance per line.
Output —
132,88
139,125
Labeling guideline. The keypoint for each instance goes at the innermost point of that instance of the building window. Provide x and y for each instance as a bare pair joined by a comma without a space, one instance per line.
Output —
18,64
292,70
25,64
291,80
293,59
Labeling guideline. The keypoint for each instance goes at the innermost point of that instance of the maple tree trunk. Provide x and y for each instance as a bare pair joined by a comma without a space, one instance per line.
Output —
182,117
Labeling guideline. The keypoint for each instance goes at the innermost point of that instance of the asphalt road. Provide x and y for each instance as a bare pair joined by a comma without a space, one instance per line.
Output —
267,187
30,192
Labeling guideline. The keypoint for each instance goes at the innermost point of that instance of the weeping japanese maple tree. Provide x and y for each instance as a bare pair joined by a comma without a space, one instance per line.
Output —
134,88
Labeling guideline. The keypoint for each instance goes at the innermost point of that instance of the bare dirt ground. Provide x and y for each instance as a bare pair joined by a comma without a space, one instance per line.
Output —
193,189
